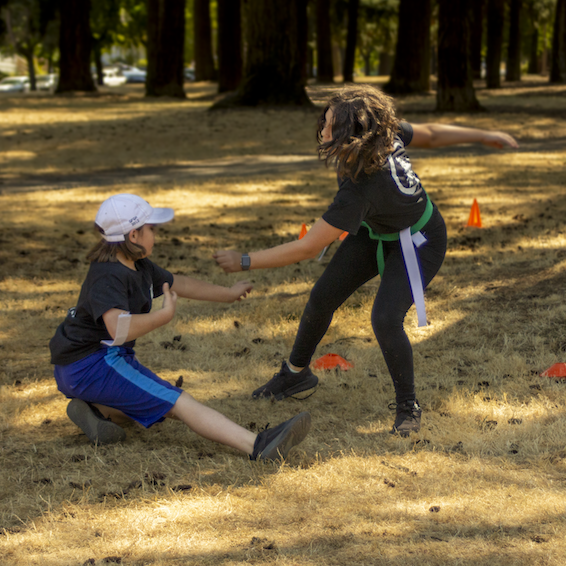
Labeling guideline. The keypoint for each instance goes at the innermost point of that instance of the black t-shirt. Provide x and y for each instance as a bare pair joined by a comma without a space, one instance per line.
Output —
388,200
107,286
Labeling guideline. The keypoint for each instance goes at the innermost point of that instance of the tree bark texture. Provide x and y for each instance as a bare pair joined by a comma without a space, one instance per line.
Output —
75,47
204,61
455,91
324,69
303,33
165,48
495,22
513,67
229,45
476,37
411,67
273,74
558,68
351,41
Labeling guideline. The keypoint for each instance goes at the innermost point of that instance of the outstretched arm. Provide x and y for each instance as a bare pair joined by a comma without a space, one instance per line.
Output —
320,235
190,288
438,135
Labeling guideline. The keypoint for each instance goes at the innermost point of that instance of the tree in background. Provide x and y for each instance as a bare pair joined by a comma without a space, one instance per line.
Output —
476,37
558,67
165,48
75,42
351,41
377,25
495,23
272,72
104,24
202,33
514,51
133,23
411,67
229,45
324,68
455,91
28,27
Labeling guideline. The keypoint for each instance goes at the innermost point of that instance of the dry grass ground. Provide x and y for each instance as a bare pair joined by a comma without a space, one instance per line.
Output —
483,483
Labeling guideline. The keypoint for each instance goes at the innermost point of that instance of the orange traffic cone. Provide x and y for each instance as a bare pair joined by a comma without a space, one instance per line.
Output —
303,231
556,370
330,361
475,218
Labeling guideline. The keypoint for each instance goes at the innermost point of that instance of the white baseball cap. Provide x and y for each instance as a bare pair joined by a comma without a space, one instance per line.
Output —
120,214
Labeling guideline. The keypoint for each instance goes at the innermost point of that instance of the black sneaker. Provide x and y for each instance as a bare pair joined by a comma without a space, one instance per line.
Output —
408,418
275,443
285,383
92,422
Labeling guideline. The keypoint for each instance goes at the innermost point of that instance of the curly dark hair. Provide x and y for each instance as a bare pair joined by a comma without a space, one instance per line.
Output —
364,126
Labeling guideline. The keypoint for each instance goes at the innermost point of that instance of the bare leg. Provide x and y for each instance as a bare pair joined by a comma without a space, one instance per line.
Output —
211,424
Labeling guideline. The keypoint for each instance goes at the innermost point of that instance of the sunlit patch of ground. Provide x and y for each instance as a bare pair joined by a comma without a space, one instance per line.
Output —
482,483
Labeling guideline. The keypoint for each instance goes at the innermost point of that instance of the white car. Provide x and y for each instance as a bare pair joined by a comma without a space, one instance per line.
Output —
113,77
14,84
134,75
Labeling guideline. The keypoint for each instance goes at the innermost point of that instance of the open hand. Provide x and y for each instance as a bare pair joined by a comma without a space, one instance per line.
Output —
499,140
228,260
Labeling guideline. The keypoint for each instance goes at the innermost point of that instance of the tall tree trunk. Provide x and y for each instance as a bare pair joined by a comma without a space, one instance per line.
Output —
513,70
558,68
204,61
31,68
229,45
411,68
351,41
476,38
533,51
272,72
165,48
455,91
75,47
98,62
495,21
303,31
324,69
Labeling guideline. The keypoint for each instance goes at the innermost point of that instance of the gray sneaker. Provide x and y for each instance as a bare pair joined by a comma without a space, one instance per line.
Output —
275,443
285,383
408,418
91,421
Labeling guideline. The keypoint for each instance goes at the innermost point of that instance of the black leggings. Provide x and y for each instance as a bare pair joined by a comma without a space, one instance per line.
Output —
353,264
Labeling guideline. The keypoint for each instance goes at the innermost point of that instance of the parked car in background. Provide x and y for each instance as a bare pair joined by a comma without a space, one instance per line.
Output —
189,75
14,84
134,75
113,77
46,82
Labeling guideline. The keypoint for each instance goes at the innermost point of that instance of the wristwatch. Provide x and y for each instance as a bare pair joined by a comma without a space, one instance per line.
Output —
245,262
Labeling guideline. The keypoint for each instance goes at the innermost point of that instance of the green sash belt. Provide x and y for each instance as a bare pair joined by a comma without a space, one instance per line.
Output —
395,235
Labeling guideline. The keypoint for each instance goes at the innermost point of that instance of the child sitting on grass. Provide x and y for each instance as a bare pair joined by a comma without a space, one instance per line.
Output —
92,350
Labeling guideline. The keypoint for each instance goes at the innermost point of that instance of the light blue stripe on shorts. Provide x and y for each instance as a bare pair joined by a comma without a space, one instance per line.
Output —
153,388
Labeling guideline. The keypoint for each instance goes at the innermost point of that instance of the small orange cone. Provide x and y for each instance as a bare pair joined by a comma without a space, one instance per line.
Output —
556,370
343,236
330,361
475,218
303,231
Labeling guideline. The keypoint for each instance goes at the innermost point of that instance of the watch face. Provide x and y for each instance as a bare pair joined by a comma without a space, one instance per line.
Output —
245,262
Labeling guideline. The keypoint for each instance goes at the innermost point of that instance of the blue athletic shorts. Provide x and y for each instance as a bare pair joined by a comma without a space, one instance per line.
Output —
113,377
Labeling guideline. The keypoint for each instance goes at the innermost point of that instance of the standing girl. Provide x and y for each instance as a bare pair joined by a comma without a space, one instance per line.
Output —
92,350
394,230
